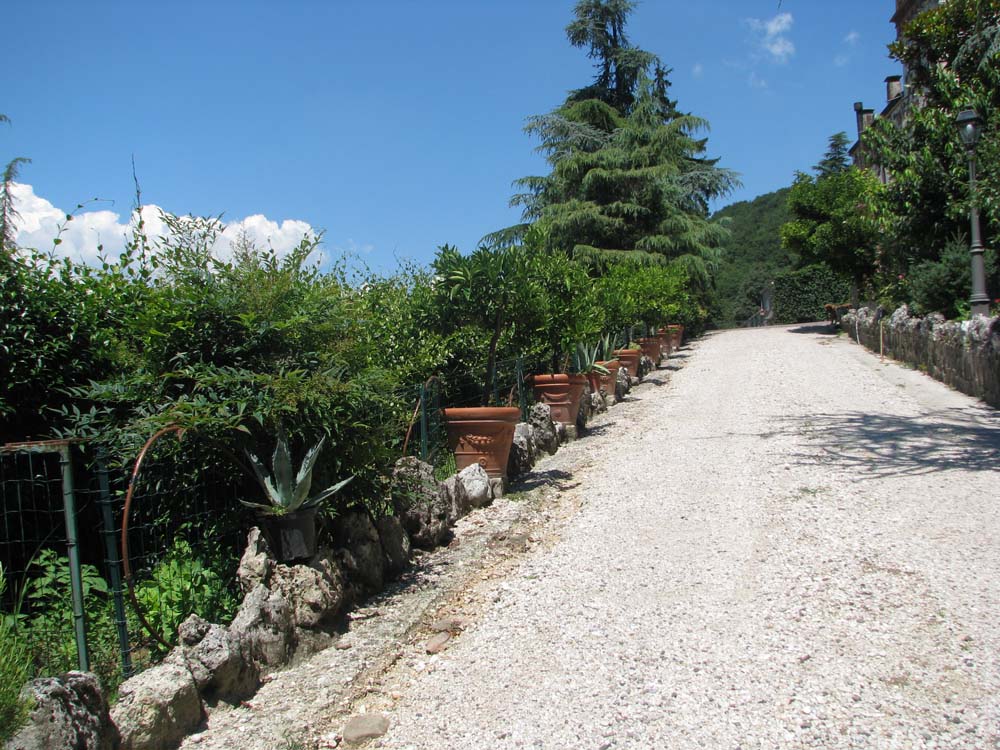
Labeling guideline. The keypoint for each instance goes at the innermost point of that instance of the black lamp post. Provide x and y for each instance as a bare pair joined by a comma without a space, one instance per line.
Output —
970,126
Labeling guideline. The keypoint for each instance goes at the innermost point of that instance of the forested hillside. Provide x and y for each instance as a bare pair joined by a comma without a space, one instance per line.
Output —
752,256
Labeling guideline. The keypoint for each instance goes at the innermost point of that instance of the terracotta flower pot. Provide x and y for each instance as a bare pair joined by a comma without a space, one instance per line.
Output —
677,333
651,348
666,342
608,381
482,435
629,359
594,379
562,393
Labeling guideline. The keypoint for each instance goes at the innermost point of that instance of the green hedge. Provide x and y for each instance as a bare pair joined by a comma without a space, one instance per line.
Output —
799,296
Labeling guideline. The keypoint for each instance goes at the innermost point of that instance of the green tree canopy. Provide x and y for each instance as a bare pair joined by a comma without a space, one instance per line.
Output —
830,224
752,256
952,54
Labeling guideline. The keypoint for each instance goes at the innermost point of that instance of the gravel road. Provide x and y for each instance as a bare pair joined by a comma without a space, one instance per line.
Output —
786,544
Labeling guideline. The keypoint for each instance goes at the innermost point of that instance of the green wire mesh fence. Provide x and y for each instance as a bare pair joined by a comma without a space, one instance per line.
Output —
61,513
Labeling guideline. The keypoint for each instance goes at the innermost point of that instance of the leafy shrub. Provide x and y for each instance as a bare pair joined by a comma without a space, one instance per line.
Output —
399,325
618,298
49,339
181,584
799,296
567,309
944,285
483,296
15,670
655,295
47,626
236,349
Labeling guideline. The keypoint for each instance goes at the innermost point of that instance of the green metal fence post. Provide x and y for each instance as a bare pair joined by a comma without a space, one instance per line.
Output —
73,552
109,533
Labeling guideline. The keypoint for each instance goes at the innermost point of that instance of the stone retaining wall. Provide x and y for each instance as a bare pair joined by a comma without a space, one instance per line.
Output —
963,354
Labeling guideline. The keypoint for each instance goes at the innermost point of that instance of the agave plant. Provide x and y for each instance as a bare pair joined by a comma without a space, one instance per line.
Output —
285,492
607,347
585,360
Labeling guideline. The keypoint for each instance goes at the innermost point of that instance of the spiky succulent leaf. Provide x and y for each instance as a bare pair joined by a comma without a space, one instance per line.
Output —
607,347
281,464
328,492
264,479
586,358
271,509
303,480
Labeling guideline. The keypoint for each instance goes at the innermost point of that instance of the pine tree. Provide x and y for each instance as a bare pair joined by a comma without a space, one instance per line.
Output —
599,26
629,178
836,158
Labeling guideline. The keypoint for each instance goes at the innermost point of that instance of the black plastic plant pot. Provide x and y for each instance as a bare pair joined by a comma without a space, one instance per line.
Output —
293,535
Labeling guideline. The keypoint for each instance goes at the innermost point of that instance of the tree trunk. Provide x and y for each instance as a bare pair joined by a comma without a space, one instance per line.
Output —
491,360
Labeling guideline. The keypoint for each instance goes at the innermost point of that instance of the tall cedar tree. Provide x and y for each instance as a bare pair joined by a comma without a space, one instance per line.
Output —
629,178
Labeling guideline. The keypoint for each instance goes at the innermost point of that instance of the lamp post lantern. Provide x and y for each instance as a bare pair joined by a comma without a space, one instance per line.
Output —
970,126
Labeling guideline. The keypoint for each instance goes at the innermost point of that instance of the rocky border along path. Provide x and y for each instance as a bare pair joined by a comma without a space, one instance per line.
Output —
308,704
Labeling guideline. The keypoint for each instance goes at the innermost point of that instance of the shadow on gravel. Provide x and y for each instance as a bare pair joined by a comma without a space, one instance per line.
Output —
825,329
884,445
536,479
600,429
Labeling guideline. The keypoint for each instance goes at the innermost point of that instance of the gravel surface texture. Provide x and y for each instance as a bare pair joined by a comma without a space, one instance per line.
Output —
775,542
789,544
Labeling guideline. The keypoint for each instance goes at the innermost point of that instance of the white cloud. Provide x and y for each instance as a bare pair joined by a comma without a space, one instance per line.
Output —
772,36
698,70
283,237
779,24
844,58
756,82
90,233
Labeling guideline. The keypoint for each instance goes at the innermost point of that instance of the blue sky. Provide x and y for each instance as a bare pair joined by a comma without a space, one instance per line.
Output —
391,126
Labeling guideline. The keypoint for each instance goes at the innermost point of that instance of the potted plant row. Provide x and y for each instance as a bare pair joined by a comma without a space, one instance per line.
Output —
629,357
490,289
563,392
